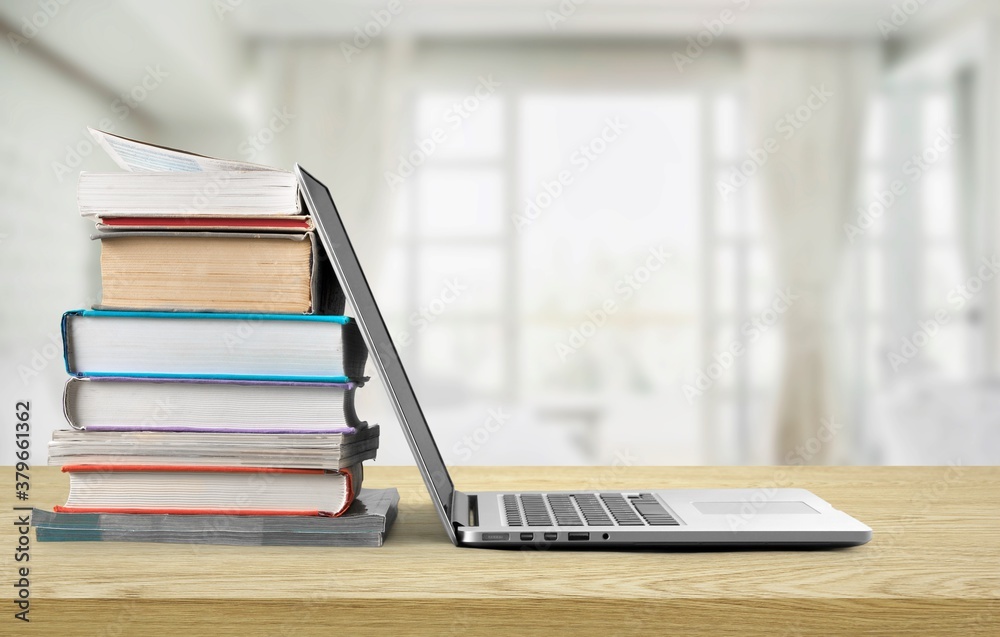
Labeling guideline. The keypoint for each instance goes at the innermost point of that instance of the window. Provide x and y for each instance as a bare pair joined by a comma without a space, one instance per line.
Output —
910,259
741,283
569,256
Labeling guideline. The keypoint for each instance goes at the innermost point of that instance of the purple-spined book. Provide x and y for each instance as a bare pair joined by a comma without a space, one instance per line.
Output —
123,403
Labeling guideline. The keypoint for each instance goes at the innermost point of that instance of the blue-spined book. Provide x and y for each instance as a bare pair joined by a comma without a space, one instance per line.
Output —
278,347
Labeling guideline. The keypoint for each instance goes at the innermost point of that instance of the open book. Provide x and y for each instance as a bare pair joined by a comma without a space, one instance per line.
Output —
135,156
165,183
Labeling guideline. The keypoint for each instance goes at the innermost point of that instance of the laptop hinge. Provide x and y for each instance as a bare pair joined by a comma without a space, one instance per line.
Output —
464,509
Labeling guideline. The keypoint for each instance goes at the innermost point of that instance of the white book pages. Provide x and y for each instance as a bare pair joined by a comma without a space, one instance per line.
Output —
136,156
226,193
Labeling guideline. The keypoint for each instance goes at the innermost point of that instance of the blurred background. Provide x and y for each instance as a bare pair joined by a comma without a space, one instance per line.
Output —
602,232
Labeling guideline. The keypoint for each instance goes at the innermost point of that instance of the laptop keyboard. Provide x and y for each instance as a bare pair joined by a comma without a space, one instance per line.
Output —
585,509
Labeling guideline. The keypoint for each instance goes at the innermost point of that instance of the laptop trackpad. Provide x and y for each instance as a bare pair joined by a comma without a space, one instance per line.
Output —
756,508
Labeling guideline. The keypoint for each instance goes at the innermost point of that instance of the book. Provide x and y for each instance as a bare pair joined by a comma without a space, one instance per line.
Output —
300,223
271,450
212,536
117,403
222,194
212,398
209,490
216,271
365,523
278,347
166,182
181,231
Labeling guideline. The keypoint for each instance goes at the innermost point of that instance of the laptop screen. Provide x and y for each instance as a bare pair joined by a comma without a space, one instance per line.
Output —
381,350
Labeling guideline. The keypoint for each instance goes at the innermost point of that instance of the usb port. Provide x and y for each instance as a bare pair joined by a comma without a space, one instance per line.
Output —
551,537
579,536
527,537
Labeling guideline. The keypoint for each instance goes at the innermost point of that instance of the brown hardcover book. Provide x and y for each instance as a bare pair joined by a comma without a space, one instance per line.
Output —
281,273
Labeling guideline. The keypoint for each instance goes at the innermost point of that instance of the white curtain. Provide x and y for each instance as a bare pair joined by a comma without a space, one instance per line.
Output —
810,99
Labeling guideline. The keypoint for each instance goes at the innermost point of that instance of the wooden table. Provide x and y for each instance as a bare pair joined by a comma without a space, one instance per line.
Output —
933,568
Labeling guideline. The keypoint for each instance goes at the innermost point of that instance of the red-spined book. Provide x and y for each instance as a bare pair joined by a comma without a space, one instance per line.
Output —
296,223
212,490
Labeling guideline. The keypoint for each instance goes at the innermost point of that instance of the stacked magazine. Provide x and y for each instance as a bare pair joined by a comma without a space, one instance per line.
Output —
212,390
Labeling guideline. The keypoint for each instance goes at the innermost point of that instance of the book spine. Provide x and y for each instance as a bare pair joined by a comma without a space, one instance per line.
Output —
222,377
69,393
156,511
328,297
64,329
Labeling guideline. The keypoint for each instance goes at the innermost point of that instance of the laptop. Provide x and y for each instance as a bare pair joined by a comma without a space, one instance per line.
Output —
580,518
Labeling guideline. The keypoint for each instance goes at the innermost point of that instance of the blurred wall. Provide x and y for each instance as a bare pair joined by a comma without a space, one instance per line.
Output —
697,362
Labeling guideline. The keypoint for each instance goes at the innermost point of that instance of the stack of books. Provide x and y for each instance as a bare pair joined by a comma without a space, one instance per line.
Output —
212,390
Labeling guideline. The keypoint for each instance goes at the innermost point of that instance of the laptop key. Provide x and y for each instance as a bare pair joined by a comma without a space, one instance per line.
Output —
621,510
563,509
511,511
592,510
535,511
652,511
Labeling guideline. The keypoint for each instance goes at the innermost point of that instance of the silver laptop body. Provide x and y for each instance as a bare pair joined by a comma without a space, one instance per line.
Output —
577,519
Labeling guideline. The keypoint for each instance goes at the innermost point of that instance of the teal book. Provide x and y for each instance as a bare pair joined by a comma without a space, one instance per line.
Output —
209,345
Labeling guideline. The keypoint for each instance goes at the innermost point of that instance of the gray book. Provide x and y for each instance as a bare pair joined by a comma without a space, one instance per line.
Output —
365,523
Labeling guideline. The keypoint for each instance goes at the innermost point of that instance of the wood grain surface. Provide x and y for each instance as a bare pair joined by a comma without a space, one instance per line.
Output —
933,568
